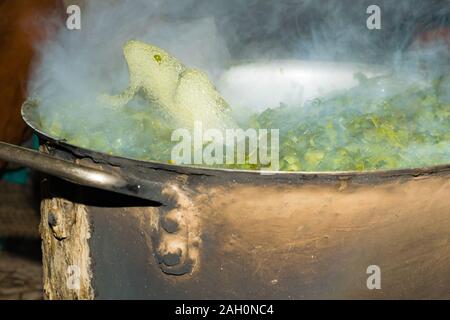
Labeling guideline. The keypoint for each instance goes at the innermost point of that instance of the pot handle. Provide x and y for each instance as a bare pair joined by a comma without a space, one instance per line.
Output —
176,253
78,174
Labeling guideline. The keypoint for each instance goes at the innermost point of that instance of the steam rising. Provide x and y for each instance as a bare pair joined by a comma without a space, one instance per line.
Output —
212,36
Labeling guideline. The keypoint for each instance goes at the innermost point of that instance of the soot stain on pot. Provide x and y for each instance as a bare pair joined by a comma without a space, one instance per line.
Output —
256,240
252,238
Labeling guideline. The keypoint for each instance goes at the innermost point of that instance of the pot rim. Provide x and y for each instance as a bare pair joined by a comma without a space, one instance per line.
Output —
29,116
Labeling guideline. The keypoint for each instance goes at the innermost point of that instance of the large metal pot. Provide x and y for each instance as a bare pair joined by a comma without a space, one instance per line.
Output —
211,233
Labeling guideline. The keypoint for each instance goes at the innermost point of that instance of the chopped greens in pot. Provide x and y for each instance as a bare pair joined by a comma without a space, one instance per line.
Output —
384,123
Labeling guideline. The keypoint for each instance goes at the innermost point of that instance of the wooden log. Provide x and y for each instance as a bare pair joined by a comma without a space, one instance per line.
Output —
65,232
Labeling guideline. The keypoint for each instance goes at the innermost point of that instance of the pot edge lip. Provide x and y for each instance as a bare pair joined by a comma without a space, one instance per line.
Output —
116,160
124,162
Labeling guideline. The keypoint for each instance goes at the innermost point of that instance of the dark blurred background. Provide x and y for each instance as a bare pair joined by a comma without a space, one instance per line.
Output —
333,29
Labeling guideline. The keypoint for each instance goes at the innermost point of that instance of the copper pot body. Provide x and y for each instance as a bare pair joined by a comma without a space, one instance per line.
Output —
281,240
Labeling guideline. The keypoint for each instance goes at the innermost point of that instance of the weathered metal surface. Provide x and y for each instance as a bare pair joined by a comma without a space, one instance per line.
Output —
287,241
272,238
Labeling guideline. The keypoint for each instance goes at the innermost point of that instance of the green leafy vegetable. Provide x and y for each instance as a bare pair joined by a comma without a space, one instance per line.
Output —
384,123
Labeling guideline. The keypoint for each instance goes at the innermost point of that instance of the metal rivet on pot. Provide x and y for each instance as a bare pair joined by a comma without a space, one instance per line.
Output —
170,225
172,259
